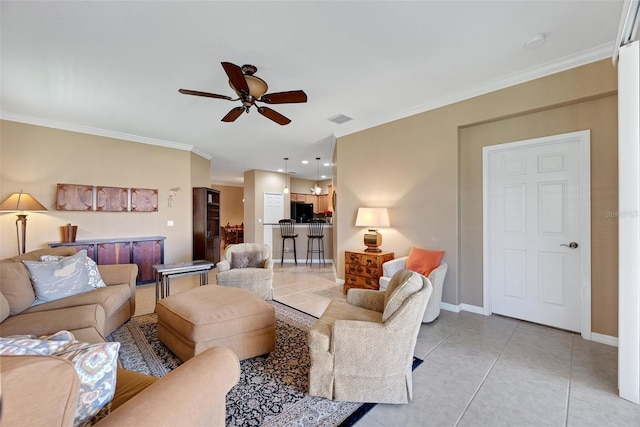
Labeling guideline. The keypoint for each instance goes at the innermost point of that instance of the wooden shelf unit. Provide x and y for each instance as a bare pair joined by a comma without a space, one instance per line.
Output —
206,224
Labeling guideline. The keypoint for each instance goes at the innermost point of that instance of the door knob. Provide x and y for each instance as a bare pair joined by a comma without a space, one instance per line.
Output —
571,245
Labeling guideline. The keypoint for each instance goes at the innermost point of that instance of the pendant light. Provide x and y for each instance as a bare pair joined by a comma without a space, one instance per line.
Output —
286,177
317,189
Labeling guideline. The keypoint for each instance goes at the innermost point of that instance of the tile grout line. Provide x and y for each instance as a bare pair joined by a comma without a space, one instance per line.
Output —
486,376
566,408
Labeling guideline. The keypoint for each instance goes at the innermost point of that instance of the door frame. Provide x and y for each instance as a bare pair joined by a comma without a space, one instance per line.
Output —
584,139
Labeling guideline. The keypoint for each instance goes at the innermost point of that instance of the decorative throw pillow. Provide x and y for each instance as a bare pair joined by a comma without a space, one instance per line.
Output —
60,279
423,261
21,345
95,364
95,280
246,259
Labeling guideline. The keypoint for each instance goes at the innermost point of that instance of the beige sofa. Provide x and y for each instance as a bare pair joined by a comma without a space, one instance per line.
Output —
43,390
103,308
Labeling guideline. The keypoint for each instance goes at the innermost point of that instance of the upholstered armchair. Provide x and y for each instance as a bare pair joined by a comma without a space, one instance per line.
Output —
361,349
248,266
436,277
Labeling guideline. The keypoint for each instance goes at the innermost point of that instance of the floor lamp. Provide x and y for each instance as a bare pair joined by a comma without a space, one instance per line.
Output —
21,202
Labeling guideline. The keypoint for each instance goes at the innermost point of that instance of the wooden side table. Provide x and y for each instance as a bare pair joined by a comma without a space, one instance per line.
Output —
363,269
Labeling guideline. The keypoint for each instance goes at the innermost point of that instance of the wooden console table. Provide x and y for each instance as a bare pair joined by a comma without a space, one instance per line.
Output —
143,251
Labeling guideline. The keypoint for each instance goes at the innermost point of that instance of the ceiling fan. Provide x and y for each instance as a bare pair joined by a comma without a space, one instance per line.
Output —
251,89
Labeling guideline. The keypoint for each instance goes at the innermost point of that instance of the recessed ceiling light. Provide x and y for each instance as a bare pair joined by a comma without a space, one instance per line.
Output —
327,164
280,170
339,119
304,162
536,41
323,176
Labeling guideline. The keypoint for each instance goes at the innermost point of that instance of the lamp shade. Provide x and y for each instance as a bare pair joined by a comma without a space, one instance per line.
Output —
21,202
372,217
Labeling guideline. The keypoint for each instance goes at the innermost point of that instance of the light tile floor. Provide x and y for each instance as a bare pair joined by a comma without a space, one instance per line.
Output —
478,370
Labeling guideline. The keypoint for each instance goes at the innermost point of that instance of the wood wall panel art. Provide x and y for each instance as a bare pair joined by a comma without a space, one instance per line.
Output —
73,197
144,200
112,199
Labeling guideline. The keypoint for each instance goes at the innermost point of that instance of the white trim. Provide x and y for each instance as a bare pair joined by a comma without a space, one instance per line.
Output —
585,219
629,222
473,308
572,61
450,307
628,27
72,127
604,339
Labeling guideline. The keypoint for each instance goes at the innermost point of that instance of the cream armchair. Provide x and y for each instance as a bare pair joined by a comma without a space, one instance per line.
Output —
436,277
248,266
361,349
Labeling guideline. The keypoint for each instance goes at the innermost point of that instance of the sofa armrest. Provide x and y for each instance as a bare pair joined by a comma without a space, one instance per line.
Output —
194,394
51,321
223,265
38,391
117,274
268,264
390,268
366,298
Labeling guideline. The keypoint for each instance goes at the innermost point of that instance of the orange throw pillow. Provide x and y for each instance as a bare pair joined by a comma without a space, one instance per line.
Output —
423,261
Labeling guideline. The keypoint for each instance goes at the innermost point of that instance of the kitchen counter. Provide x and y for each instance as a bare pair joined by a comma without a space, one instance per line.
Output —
273,238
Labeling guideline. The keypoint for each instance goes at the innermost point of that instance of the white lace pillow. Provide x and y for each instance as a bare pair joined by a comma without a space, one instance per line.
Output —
59,279
95,280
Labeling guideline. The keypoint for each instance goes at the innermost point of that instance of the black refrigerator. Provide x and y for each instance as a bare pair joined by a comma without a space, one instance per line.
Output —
301,212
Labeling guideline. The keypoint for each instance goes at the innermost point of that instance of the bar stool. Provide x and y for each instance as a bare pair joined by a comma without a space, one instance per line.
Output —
316,238
288,232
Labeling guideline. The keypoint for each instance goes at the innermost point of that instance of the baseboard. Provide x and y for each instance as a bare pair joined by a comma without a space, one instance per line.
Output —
462,307
604,339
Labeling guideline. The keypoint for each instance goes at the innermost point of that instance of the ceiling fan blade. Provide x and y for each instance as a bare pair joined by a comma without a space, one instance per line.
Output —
274,115
236,77
233,114
290,97
207,94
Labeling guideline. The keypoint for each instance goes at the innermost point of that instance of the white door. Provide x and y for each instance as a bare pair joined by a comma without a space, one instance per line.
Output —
537,229
273,207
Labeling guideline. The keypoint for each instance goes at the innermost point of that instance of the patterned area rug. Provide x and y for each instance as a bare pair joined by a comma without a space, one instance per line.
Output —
271,391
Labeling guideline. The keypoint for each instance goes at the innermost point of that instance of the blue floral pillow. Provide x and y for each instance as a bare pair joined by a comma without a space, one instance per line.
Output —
59,279
95,279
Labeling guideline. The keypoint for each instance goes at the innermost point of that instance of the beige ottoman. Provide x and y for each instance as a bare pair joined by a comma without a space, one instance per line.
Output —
192,321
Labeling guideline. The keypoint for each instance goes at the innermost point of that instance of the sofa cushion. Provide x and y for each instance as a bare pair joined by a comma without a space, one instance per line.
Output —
35,255
111,299
59,279
128,385
16,287
251,259
423,260
4,308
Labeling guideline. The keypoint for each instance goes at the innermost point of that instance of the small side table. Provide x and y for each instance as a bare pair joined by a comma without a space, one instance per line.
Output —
164,273
363,269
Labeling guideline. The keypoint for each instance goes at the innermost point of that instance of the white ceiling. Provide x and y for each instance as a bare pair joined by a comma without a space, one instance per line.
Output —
114,68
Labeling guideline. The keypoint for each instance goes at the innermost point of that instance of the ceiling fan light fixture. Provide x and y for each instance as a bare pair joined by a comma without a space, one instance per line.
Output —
257,86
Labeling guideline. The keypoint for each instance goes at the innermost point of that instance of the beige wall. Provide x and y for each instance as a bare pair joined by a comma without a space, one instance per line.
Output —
231,204
35,159
420,175
299,185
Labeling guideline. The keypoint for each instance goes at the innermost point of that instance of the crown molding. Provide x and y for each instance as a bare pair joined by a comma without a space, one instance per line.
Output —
72,127
552,67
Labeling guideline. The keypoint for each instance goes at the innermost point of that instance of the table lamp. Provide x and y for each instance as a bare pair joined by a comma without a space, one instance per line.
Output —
21,202
372,218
